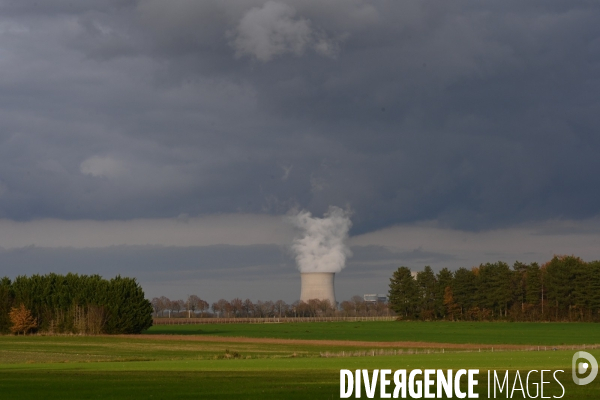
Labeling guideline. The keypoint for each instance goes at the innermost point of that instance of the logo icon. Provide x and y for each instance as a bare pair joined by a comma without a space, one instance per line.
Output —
582,367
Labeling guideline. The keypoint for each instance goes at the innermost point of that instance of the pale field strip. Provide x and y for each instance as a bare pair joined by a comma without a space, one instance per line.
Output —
269,320
497,349
357,343
123,348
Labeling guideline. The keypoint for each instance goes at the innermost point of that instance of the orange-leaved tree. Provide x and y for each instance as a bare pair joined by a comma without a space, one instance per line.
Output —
451,307
22,320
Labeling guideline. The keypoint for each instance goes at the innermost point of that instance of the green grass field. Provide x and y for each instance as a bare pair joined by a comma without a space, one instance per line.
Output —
250,379
77,367
542,334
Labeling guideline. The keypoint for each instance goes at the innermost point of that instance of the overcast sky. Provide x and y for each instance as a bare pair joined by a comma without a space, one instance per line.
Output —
167,139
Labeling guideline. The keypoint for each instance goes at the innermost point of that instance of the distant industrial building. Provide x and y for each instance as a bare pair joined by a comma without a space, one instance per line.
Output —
375,298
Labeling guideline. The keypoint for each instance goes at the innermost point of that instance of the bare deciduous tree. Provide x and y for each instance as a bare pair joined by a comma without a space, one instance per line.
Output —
237,307
281,308
224,308
248,308
165,304
202,306
192,302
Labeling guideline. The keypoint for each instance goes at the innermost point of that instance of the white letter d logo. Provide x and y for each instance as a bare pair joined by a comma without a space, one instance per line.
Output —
582,368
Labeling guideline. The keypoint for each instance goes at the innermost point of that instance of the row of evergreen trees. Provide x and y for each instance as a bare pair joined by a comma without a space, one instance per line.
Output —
563,289
75,303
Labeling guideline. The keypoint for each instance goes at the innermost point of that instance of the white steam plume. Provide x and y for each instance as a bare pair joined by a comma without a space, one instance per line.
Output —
321,245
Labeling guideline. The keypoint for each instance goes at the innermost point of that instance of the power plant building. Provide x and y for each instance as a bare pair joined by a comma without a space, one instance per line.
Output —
375,298
317,285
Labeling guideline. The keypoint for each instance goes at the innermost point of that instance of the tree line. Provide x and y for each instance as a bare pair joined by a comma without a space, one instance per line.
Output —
74,303
238,308
565,288
194,306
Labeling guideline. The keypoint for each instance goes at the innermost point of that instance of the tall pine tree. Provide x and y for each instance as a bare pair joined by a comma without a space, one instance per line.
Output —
403,295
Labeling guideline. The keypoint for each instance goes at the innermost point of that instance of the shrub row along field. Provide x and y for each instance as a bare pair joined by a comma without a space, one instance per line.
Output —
539,334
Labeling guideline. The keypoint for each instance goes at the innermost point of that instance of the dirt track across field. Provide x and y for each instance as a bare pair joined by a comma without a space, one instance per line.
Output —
339,343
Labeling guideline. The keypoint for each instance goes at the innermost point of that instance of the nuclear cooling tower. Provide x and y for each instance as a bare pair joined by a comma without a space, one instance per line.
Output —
317,285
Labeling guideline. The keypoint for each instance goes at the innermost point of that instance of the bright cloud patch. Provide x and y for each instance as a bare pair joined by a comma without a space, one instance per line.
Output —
102,167
275,29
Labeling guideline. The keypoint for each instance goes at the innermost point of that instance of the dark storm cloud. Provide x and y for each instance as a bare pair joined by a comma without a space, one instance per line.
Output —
475,114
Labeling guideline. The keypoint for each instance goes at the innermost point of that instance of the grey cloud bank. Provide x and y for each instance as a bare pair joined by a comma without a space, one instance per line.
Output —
268,270
183,231
480,116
